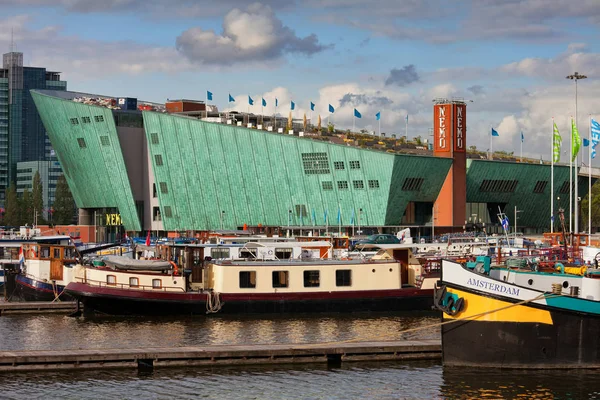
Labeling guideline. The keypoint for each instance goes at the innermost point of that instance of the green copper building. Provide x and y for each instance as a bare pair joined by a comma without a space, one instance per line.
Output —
168,172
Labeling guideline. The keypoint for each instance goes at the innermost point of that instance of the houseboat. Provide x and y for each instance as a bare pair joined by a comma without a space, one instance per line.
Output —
393,279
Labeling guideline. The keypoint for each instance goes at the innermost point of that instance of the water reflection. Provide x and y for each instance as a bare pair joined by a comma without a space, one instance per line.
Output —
483,383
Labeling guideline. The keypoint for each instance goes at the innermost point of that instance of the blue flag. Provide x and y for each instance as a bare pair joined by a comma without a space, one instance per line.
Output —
378,116
331,109
325,217
264,102
352,218
339,219
208,95
312,106
595,136
250,101
494,132
522,137
292,105
407,118
505,223
586,142
276,102
357,114
314,217
231,99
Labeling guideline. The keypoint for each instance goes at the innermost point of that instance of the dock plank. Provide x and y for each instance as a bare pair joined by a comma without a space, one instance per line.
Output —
31,307
33,360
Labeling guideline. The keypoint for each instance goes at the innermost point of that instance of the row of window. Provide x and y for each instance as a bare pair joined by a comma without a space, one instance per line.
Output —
498,185
339,165
111,280
104,141
281,279
343,185
87,120
412,184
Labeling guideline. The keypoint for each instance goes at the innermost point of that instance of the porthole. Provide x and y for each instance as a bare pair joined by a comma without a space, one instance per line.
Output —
530,282
390,270
565,284
373,270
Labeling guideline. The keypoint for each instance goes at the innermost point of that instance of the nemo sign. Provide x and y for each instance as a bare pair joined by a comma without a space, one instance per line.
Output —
113,220
449,127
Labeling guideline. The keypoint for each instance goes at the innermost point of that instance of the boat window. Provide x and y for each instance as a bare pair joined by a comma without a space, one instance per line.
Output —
156,284
134,282
45,252
56,253
280,279
248,279
69,252
220,252
312,279
246,254
111,280
283,253
343,277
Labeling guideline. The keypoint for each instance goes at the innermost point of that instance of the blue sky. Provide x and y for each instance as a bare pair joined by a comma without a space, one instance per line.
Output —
509,57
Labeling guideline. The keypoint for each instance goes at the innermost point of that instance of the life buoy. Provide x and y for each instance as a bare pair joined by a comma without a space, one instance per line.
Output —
270,252
175,268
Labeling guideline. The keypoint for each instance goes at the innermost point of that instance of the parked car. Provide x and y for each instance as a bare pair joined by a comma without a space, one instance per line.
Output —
377,239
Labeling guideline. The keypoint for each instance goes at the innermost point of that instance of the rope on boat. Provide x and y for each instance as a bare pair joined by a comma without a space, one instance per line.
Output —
213,302
471,317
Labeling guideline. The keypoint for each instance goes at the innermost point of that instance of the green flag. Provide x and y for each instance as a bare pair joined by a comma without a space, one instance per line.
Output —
556,142
575,139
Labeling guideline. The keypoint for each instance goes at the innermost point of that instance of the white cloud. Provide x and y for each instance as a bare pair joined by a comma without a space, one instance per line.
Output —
255,35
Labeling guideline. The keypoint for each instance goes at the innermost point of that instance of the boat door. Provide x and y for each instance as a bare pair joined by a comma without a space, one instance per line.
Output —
401,255
56,264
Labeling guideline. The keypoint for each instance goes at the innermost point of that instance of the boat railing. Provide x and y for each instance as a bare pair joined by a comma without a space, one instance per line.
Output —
126,286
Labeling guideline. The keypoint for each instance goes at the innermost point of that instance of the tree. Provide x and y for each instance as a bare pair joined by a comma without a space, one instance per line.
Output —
38,198
11,217
26,208
64,206
330,127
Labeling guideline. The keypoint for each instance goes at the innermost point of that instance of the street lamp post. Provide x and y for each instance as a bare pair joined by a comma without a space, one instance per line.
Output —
574,77
359,212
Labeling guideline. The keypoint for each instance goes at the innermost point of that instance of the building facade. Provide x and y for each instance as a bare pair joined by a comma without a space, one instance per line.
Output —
49,172
157,171
23,137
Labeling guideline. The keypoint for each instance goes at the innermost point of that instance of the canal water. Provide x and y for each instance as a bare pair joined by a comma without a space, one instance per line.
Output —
375,380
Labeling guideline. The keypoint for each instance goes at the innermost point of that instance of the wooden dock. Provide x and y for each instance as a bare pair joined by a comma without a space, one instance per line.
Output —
37,307
267,354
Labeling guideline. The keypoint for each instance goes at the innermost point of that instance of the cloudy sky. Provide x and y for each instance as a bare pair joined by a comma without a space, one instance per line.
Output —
510,58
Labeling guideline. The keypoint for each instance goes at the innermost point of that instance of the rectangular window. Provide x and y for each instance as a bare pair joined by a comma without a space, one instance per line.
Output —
312,279
154,190
168,212
86,120
154,138
338,165
327,185
99,118
565,187
158,160
354,164
343,277
74,121
342,185
111,280
315,163
280,279
373,184
245,254
540,186
104,140
248,279
412,184
219,253
283,253
163,187
358,184
81,142
498,185
156,284
134,282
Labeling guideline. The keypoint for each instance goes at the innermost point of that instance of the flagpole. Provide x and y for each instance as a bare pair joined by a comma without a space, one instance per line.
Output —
552,180
353,123
406,130
571,182
379,125
521,146
590,182
491,144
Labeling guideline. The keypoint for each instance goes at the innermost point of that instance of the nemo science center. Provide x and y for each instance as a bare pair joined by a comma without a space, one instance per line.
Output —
183,167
